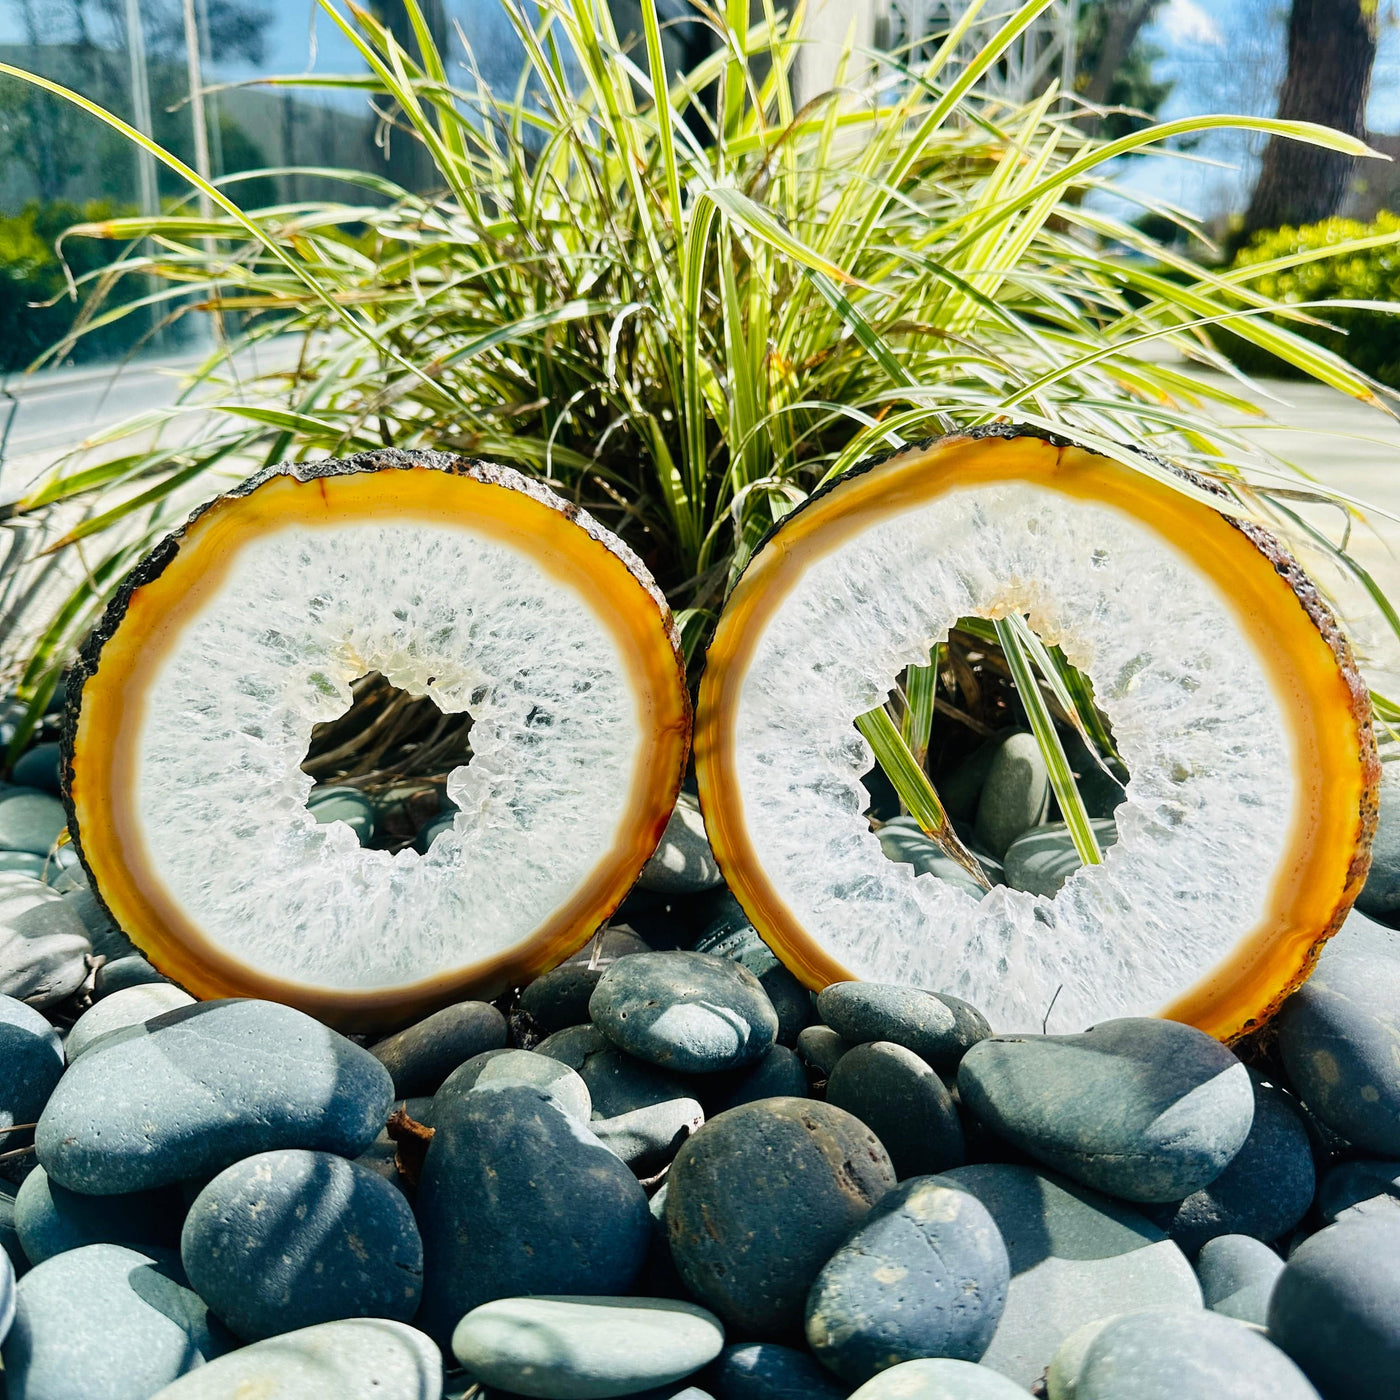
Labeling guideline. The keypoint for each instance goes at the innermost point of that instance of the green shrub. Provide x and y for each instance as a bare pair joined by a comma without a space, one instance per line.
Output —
1369,340
35,309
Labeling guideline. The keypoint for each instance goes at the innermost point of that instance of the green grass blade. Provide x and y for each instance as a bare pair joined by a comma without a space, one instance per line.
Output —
1048,738
914,789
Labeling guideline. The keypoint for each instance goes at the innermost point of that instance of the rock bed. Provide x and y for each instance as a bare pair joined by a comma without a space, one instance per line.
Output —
665,1169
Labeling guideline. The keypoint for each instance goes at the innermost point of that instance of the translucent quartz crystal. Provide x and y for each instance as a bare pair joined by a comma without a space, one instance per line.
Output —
444,612
1209,806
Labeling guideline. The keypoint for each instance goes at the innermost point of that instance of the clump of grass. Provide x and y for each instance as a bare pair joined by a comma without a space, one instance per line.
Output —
686,301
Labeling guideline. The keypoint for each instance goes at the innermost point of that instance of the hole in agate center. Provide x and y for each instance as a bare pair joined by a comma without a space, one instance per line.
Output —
382,766
987,769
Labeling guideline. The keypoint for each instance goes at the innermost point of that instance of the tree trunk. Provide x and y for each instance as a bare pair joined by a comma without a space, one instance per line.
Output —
409,163
1123,21
1331,48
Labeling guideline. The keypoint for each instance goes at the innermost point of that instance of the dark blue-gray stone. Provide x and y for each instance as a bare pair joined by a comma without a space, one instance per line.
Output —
1076,1256
106,938
739,941
43,943
381,1156
769,1371
9,1236
1265,1191
30,820
939,1378
121,973
516,1197
289,1239
37,767
678,1390
1014,795
1185,1355
49,1219
199,1088
499,1069
559,998
1380,894
1336,1310
7,1296
938,1028
1337,1036
778,1075
904,842
1237,1275
344,804
1040,861
904,1103
22,863
683,862
648,1138
104,1323
1360,1189
688,1012
32,1056
585,1348
924,1274
821,1048
758,1200
133,1006
617,1082
355,1359
422,1056
1141,1108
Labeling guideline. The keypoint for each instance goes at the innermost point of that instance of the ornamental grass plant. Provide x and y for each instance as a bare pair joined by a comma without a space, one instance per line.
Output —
686,301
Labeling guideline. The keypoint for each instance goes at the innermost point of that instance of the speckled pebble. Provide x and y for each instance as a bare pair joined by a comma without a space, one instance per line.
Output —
422,1056
585,1348
357,1359
516,1198
121,973
904,1103
778,1075
49,1219
739,941
7,1296
1360,1189
938,1028
104,1323
43,943
688,1012
32,1056
924,1274
770,1371
617,1082
30,820
290,1239
500,1069
759,1199
939,1379
1075,1256
1141,1108
132,1007
1336,1310
821,1048
1238,1274
559,998
203,1086
648,1138
1265,1191
1337,1036
1184,1355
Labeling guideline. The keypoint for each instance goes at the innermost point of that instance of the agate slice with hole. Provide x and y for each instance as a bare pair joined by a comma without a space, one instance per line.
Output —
194,699
1246,829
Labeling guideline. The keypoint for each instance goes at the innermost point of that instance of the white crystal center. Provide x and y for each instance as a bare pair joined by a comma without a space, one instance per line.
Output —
442,611
1209,810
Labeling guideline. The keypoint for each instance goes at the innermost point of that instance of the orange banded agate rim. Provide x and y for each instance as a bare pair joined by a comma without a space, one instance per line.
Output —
193,702
1233,696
